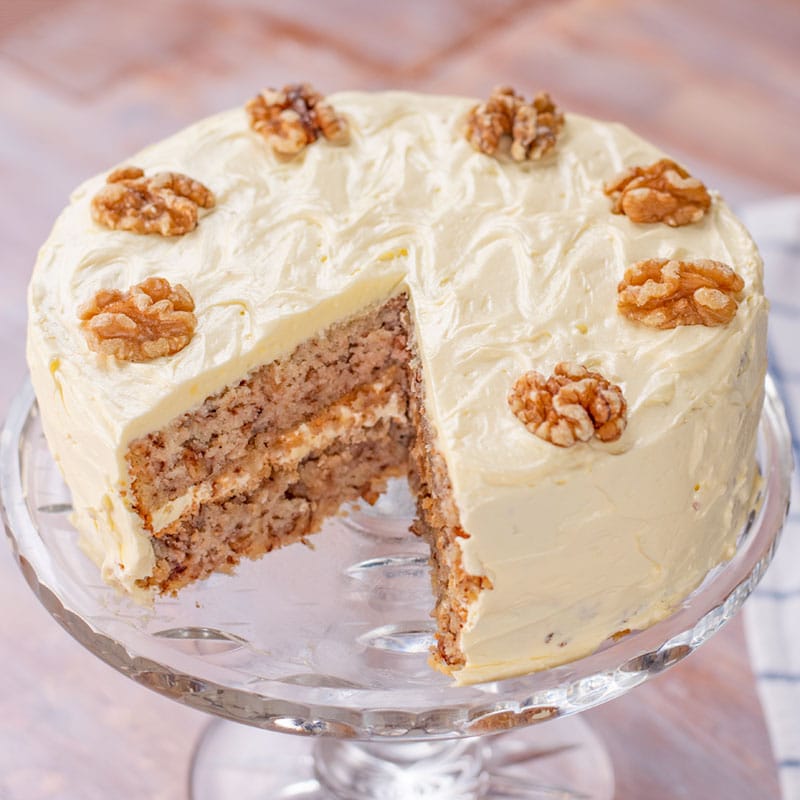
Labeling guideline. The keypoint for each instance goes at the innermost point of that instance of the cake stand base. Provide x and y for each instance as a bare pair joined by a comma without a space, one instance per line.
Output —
561,760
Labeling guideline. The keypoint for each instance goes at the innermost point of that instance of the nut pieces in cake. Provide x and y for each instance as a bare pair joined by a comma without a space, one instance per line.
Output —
532,128
150,320
295,117
664,293
165,203
572,405
663,192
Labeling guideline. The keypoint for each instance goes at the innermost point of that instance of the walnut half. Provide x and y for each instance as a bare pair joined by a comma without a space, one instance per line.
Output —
666,293
532,128
294,117
165,203
150,320
662,192
572,405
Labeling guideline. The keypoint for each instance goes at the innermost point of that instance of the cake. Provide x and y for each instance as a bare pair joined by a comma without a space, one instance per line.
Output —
557,333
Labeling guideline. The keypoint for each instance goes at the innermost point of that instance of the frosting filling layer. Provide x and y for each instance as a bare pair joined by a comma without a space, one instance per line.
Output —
368,406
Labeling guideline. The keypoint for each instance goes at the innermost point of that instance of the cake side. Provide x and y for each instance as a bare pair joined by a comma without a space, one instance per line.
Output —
437,522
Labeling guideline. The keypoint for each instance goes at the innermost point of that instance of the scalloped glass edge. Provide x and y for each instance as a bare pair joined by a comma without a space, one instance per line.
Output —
450,712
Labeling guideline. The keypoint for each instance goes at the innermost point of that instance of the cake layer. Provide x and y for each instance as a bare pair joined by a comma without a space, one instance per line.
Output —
199,445
288,505
349,418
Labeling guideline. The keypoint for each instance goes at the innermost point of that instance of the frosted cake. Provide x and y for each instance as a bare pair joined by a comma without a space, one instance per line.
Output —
555,331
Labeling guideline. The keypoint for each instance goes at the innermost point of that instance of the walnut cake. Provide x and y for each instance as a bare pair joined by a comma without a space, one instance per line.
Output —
553,330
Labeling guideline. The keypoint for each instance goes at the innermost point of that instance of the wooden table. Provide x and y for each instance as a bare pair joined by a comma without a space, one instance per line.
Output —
84,83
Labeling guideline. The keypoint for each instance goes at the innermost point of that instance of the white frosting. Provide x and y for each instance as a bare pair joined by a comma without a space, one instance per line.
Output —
509,267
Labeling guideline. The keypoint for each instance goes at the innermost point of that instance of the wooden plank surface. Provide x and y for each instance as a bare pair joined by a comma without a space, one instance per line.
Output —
83,83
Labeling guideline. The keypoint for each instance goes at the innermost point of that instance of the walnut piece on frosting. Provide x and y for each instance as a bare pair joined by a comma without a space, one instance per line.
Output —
165,203
572,405
662,192
294,117
666,293
532,128
150,320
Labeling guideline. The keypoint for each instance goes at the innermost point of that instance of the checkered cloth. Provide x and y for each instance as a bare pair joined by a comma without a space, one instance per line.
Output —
772,615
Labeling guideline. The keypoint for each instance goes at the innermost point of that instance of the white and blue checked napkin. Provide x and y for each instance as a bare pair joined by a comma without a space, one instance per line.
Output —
772,615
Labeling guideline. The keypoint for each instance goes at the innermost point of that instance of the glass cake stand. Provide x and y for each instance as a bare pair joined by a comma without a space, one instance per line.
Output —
332,646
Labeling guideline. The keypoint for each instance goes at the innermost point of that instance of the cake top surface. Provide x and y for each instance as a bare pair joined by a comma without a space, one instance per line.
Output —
509,267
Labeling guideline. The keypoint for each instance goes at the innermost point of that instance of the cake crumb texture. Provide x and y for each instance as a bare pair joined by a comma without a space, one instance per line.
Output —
286,507
274,398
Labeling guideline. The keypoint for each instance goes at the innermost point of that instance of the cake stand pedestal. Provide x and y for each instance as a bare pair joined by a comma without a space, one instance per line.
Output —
561,760
332,646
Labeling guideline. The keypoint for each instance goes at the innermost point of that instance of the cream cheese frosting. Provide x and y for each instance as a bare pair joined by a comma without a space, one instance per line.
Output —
509,267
